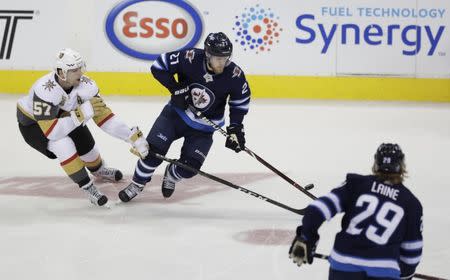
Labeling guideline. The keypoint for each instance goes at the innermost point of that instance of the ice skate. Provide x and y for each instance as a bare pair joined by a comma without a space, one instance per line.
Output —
168,183
131,191
108,173
95,196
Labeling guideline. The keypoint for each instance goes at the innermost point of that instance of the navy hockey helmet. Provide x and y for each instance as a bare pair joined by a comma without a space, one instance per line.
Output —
389,158
218,44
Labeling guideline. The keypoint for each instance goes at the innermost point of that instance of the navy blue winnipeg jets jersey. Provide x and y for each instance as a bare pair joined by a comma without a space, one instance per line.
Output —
381,228
209,91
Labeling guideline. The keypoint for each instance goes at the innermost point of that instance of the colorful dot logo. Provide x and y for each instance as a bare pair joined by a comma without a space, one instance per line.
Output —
257,29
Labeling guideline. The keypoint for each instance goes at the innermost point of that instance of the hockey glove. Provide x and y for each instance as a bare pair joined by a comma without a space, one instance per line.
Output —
82,113
97,105
302,250
139,143
87,110
181,97
236,138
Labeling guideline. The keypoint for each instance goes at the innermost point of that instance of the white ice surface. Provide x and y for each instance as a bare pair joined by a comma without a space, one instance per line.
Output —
207,230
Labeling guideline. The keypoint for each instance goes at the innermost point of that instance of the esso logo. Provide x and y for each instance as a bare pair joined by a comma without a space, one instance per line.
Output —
146,28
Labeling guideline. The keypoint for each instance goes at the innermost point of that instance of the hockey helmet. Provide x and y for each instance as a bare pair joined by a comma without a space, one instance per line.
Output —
68,59
218,44
389,158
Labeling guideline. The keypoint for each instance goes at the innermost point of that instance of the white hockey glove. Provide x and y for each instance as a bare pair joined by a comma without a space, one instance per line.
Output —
87,110
82,113
139,143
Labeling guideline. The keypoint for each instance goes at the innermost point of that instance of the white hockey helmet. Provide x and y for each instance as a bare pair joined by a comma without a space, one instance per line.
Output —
68,59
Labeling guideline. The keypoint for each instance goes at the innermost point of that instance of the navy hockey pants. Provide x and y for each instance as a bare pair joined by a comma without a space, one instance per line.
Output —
167,128
345,275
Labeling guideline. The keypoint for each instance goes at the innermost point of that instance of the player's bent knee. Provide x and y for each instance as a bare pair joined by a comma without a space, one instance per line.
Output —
150,160
192,162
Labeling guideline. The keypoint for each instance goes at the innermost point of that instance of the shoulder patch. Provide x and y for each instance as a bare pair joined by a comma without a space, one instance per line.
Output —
236,72
190,55
86,89
49,85
86,80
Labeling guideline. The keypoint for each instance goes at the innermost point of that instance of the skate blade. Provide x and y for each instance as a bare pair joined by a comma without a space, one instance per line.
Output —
109,205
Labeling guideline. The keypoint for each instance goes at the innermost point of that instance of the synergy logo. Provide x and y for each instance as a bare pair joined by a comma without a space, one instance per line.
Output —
146,28
257,29
358,28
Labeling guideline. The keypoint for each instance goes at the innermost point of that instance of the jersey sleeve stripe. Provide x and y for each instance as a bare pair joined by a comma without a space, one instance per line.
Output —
412,245
157,65
409,260
164,61
323,208
161,63
100,123
335,199
241,107
240,101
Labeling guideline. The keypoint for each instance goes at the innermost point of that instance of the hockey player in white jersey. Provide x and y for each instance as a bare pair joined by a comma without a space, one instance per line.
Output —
52,119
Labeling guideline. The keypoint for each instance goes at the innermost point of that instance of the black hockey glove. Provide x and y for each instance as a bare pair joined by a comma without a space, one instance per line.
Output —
181,97
302,250
236,138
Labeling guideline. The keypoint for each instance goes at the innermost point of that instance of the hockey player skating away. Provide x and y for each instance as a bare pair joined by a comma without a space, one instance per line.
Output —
381,236
206,80
52,119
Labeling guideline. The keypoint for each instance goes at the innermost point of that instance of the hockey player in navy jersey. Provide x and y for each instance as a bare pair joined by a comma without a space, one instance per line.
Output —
381,236
207,80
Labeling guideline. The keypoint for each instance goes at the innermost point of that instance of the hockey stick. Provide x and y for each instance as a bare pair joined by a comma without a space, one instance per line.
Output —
305,189
225,182
417,275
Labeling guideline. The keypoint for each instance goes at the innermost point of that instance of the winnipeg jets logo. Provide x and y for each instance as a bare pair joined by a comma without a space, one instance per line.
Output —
49,85
208,78
200,98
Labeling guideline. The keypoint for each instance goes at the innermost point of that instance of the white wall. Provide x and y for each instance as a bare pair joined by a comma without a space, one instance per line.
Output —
81,25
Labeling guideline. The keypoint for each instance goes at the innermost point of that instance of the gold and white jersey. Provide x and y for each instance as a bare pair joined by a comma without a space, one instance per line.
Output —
48,105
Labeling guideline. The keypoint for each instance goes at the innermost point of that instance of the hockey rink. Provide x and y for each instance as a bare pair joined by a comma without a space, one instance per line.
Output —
208,231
